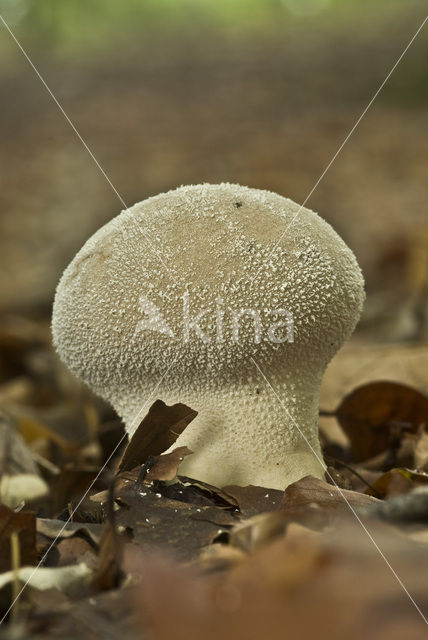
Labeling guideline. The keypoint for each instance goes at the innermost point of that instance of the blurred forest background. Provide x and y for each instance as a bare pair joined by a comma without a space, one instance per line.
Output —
260,92
171,92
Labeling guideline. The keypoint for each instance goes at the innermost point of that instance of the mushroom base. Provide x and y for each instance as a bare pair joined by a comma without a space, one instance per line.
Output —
294,466
242,435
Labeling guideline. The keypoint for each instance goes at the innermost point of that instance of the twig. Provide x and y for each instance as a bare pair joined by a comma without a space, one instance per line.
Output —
335,461
15,560
327,414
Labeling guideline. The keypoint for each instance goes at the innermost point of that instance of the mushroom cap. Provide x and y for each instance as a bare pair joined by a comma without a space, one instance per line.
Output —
230,248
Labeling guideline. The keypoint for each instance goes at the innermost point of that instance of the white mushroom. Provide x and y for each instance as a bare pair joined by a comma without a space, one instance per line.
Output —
212,275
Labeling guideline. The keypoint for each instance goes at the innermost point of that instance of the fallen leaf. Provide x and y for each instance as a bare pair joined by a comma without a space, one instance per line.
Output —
102,616
358,477
252,500
51,529
309,501
360,363
71,551
165,467
109,574
158,523
367,413
156,433
199,492
315,502
184,490
299,586
395,482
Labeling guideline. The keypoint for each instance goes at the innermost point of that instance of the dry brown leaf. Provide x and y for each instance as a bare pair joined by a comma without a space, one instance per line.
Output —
359,363
156,522
309,501
315,502
107,615
72,551
368,413
214,495
299,586
108,573
252,500
156,433
48,530
161,468
165,467
396,482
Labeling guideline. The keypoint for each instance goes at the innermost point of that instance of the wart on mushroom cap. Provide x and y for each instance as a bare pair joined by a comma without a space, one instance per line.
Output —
216,247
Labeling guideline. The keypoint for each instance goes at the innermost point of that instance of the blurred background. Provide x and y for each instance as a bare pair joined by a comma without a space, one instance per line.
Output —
171,92
260,92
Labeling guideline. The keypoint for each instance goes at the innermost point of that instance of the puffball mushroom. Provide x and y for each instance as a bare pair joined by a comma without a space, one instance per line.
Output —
217,277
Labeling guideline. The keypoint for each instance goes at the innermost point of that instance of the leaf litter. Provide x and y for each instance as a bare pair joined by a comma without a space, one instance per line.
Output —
151,553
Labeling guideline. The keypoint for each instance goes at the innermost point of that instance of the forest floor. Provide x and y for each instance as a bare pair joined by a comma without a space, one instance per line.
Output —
149,553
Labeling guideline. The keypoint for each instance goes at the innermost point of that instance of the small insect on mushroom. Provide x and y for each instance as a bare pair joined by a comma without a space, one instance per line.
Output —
172,280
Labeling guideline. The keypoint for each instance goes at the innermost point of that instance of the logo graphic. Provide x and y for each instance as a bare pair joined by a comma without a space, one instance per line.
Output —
226,323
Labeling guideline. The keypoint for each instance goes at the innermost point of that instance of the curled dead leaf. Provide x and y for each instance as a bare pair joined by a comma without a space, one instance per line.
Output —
158,430
368,413
315,502
397,481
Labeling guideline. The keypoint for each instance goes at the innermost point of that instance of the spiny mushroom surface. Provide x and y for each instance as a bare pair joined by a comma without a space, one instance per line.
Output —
179,296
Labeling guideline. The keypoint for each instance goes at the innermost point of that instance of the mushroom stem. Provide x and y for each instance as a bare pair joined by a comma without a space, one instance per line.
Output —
246,435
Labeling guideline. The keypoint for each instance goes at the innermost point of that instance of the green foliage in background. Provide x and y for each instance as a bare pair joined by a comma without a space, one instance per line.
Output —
99,29
70,23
